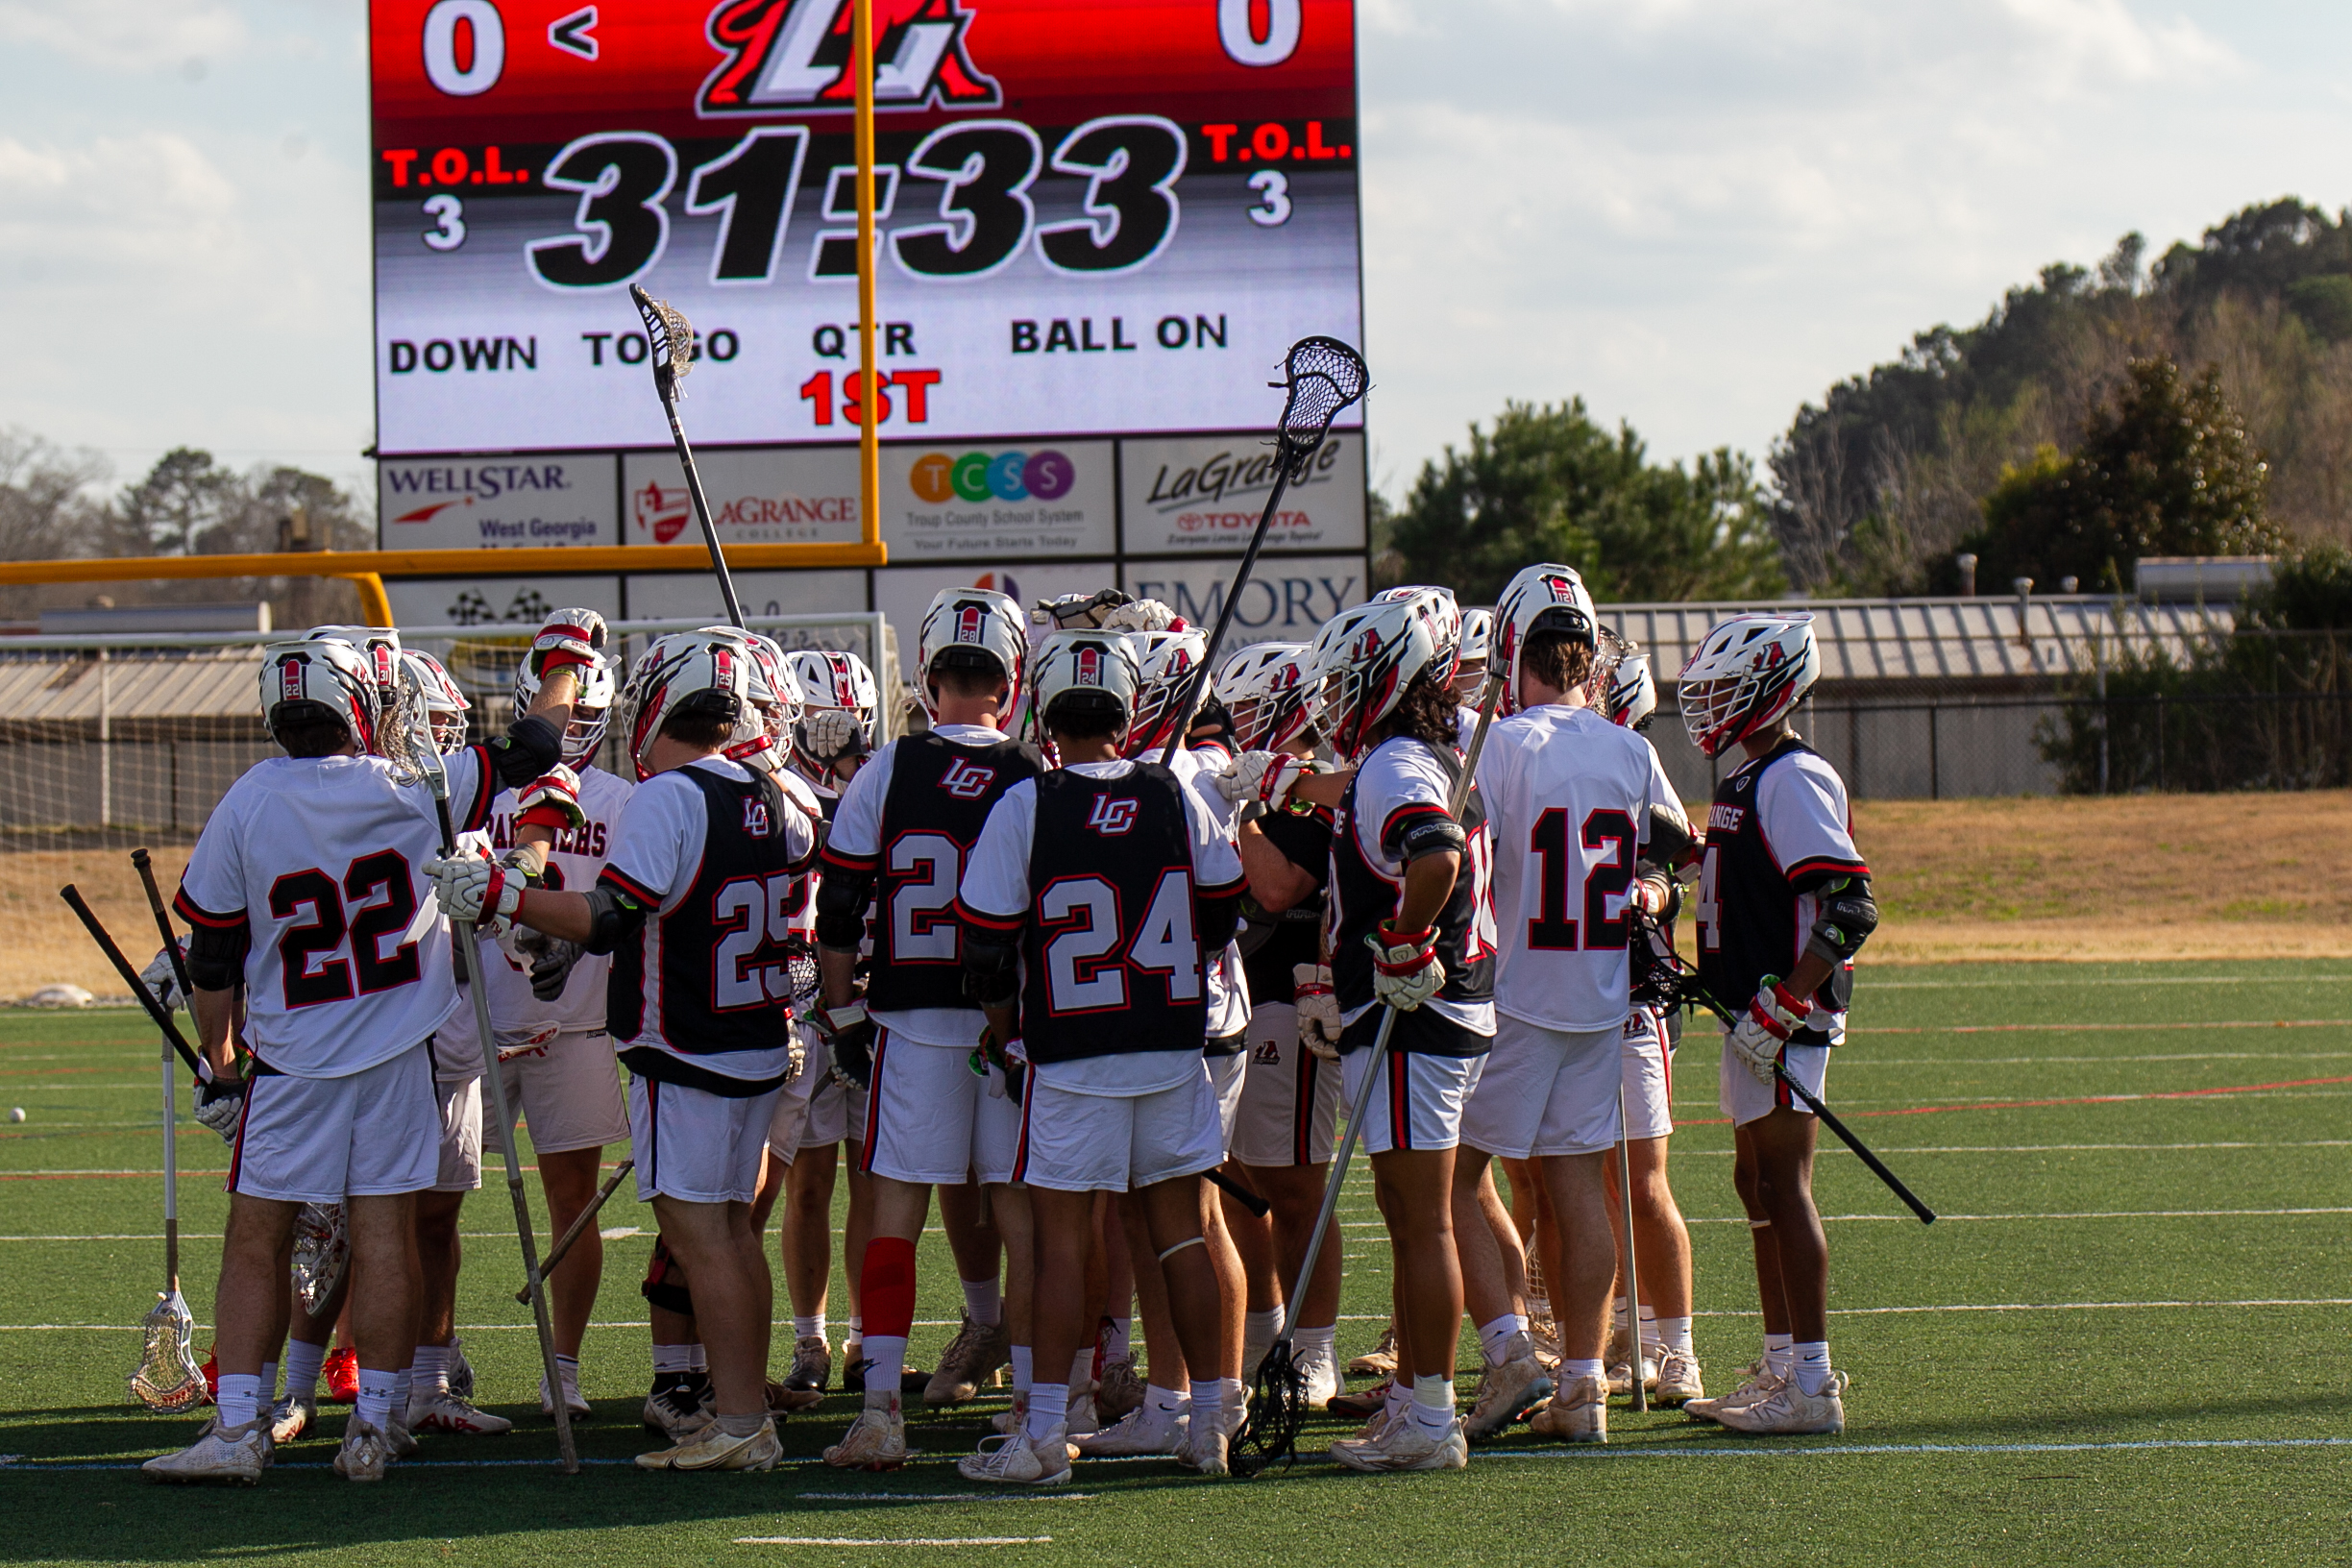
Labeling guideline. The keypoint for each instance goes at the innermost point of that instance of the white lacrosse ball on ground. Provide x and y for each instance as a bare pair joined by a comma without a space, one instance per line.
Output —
15,1113
59,996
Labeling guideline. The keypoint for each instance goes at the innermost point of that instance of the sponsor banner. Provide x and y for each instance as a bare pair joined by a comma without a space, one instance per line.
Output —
669,596
1205,494
495,502
1037,497
497,604
902,593
1091,215
1285,600
778,496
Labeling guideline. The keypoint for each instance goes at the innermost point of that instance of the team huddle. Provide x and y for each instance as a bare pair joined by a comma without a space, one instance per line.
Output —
1096,959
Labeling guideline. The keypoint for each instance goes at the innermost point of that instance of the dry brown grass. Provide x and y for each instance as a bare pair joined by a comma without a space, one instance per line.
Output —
2176,876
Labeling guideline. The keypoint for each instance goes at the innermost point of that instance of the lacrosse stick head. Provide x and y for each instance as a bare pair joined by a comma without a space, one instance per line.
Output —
168,1378
1325,379
322,1252
1276,1414
672,340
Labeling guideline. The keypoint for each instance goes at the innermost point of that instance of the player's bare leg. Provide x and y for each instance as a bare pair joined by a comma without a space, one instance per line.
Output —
1014,1230
1494,1289
857,1229
1296,1193
1581,1297
804,1242
1773,1170
1160,1422
1414,1188
733,1294
1663,1243
1261,1294
236,1444
431,1406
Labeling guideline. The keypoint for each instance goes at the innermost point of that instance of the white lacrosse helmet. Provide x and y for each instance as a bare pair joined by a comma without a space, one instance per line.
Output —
1365,660
974,628
1748,671
1632,692
380,650
444,706
690,670
1264,687
1543,597
771,702
590,707
1097,669
1470,674
829,679
1168,660
318,677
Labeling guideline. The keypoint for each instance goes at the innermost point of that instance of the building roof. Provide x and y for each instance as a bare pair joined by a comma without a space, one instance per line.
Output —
144,687
1943,639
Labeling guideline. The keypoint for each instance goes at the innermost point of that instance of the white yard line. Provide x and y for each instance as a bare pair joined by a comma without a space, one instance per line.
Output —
1874,982
911,1540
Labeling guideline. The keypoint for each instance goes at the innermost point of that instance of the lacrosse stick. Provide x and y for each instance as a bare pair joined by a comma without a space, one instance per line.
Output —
163,926
470,975
1278,1399
1324,378
572,1232
131,977
672,338
1687,992
1625,1184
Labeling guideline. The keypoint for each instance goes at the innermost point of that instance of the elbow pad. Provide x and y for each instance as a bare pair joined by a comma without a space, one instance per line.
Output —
841,899
1215,919
531,747
1847,916
992,967
1426,833
613,918
216,956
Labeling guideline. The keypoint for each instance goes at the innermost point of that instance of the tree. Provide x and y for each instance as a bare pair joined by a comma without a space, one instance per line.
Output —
183,497
45,510
2168,470
1548,484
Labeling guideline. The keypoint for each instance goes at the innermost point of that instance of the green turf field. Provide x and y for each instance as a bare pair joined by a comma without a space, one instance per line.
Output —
2123,1343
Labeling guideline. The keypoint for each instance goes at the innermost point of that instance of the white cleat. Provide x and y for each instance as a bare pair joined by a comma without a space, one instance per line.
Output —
1787,1411
1320,1367
366,1454
581,1410
1405,1446
1140,1431
712,1449
447,1412
232,1454
1021,1460
403,1442
1756,1382
1509,1391
679,1409
1679,1380
1009,1421
1082,1421
1578,1413
1206,1448
876,1441
1380,1360
292,1416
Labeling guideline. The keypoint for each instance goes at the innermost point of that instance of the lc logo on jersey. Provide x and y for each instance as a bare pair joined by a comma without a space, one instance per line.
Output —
755,819
966,780
794,54
1111,817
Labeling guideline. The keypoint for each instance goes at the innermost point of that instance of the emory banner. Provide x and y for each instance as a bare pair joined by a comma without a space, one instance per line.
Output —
1095,217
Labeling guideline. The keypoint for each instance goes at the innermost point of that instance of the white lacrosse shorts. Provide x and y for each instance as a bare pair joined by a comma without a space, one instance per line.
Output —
1227,1076
1745,1100
1648,1076
696,1147
370,1134
1547,1093
930,1118
1117,1142
461,1135
1418,1104
1290,1098
567,1093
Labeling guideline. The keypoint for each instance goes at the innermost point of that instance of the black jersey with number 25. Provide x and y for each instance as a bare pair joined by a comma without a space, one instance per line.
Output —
940,798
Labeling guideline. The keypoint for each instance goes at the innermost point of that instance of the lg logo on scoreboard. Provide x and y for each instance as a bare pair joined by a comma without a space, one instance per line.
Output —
794,54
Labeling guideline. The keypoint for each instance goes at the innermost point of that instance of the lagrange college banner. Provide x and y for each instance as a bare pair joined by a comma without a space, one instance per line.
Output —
1096,216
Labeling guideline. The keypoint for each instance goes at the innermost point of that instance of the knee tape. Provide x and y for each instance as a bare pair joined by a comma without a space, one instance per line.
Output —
1188,1242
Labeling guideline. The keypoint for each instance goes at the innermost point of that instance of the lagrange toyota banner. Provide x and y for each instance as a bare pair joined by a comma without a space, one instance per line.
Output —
1096,216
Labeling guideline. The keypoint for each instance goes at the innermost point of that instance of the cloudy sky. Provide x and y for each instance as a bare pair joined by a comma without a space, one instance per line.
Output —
1696,213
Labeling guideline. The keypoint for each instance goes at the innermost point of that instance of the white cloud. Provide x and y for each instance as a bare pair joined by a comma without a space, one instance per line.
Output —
126,35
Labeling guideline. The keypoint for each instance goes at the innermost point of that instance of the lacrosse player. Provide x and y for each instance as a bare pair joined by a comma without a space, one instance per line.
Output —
1783,906
305,881
1413,931
691,903
901,837
1088,903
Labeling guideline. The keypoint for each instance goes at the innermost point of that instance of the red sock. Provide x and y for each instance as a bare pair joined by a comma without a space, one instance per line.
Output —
886,1286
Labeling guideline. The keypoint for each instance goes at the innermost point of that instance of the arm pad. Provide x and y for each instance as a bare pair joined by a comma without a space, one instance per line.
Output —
216,956
1847,916
992,967
1428,833
531,747
1216,921
1670,836
613,918
842,900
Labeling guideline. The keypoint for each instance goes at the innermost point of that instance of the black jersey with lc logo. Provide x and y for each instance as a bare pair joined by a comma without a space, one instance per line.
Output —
1112,951
1758,884
709,975
1367,896
938,800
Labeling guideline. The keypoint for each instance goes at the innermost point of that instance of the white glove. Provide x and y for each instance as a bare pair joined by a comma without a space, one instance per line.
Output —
1142,615
830,734
1406,971
220,1105
1772,1018
475,889
162,979
1318,1008
1263,776
568,637
554,799
524,1039
1077,612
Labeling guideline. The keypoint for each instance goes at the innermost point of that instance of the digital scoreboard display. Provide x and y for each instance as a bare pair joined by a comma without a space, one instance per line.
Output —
1095,217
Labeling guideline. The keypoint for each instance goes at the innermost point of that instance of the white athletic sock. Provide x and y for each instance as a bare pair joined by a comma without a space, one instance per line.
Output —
1675,1333
741,1426
1433,1405
1779,1358
886,1366
1234,1398
1121,1344
667,1359
1260,1328
1617,1313
701,1358
855,1326
269,1382
1166,1404
403,1382
1494,1338
376,1390
1812,1358
803,1327
567,1367
303,1362
240,1397
983,1301
1309,1340
430,1374
1082,1369
1024,1368
1571,1369
1400,1395
1048,1409
1208,1397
